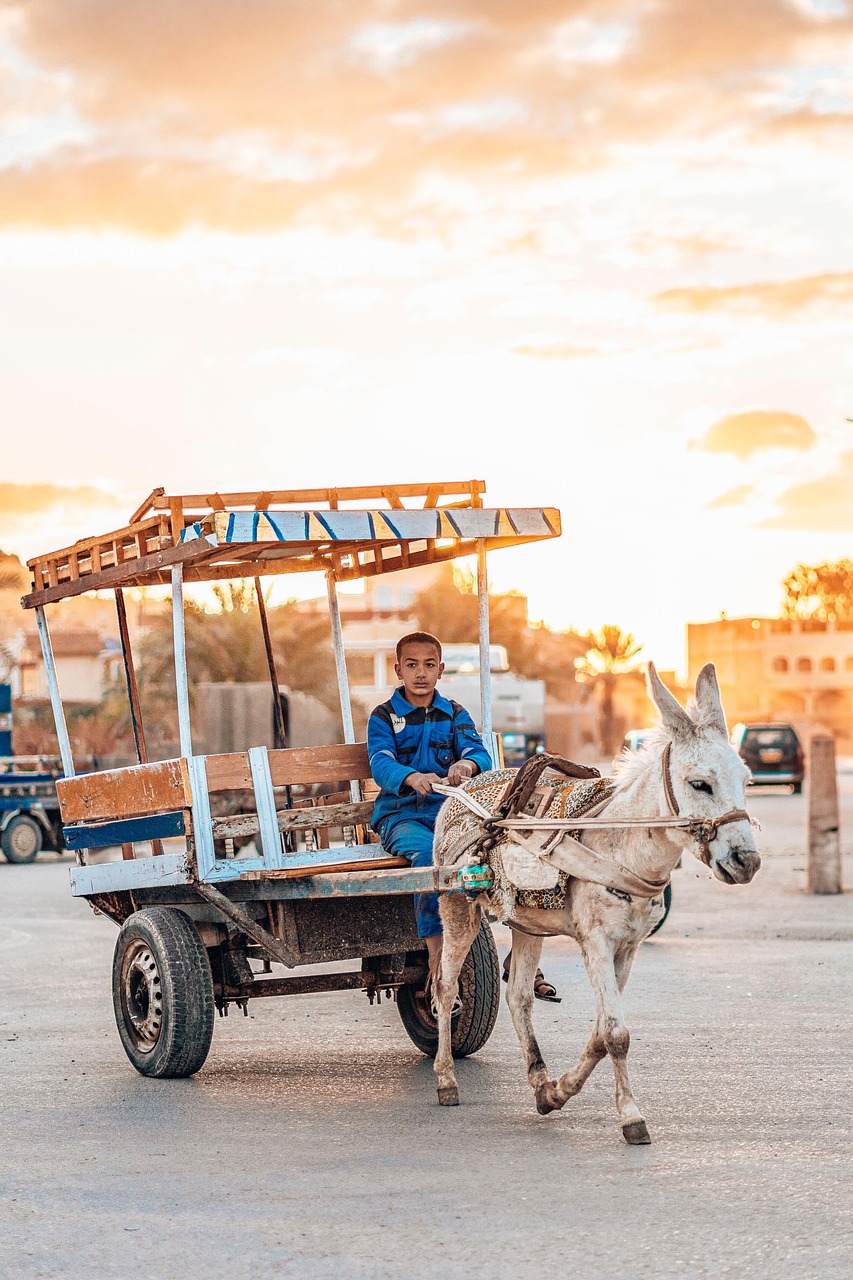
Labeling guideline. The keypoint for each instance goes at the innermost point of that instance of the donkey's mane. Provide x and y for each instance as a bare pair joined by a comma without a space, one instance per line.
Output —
631,764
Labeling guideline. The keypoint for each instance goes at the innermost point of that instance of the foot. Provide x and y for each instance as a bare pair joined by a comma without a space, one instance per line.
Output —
542,988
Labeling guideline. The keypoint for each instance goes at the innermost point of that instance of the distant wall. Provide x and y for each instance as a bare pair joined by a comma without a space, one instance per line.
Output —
234,717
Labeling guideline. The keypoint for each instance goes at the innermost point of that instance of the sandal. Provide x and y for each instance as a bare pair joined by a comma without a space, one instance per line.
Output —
542,988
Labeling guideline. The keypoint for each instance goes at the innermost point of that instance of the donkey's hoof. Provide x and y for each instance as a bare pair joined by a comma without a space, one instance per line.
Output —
545,1100
636,1133
448,1095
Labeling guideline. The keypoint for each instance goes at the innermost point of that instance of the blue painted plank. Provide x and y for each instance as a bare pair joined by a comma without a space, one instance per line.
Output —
135,873
101,835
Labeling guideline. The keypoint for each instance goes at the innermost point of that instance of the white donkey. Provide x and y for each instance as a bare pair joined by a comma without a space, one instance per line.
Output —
687,767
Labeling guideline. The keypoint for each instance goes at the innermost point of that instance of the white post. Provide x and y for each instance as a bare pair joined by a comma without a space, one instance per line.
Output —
53,690
180,644
341,670
485,657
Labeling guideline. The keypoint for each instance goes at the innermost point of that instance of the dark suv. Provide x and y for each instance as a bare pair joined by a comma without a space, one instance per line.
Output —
772,752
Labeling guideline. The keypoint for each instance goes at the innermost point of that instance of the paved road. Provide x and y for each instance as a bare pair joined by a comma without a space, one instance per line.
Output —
310,1144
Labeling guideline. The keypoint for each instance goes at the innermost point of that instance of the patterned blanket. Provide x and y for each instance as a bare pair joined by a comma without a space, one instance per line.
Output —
522,876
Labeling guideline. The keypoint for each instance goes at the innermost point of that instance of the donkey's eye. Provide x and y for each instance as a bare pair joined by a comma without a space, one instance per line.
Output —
702,786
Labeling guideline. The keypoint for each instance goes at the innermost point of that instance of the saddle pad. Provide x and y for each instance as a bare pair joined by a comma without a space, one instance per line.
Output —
521,867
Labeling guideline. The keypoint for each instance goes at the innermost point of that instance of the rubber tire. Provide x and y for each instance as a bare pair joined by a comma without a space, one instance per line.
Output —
186,987
7,840
480,989
667,903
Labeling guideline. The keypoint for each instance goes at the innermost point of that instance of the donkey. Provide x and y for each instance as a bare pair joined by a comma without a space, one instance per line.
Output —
688,766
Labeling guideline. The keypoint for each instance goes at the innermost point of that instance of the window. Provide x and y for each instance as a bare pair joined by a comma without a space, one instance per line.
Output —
780,664
804,664
827,664
848,663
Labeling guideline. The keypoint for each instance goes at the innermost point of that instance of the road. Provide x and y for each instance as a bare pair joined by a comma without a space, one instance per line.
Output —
311,1145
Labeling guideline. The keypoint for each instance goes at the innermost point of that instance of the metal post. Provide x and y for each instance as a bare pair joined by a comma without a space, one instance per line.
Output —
55,698
130,679
485,656
341,671
276,694
180,643
340,658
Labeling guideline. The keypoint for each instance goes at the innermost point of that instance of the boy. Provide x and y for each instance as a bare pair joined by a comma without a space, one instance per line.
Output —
413,740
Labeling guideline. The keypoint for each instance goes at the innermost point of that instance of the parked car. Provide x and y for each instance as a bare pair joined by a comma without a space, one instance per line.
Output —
635,738
773,753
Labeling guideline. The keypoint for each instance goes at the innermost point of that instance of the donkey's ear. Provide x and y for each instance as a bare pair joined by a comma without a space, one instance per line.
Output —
708,702
673,715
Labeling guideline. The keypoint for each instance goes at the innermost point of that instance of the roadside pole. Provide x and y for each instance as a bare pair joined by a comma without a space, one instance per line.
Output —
823,866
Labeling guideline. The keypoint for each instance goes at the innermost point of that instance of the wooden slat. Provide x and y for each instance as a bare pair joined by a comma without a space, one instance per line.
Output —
122,574
327,868
137,791
319,869
302,819
103,835
341,763
291,497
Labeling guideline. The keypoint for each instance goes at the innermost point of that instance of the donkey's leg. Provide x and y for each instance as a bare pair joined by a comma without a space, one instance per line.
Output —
634,1127
611,1036
461,920
526,950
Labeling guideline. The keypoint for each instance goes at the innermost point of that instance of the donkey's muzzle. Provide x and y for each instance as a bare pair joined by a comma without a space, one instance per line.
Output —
738,866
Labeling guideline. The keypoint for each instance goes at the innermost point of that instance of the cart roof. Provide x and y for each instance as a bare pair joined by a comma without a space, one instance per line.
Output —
352,533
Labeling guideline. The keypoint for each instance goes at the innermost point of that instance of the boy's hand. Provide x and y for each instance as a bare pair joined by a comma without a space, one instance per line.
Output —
421,782
460,772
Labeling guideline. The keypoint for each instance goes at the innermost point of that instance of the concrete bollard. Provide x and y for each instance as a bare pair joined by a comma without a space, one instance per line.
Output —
823,868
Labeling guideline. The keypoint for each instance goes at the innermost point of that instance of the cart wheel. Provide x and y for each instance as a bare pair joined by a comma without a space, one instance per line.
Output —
22,839
667,903
479,990
163,993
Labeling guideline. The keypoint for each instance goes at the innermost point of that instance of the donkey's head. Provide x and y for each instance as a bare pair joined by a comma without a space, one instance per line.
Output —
708,778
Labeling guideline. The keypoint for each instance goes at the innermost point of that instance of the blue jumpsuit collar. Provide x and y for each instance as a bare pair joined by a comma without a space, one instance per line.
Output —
402,706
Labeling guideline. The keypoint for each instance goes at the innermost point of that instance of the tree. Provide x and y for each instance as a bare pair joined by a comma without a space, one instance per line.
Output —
226,644
823,591
610,652
448,609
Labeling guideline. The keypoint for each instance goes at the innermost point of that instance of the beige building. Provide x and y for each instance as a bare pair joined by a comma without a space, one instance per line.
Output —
780,669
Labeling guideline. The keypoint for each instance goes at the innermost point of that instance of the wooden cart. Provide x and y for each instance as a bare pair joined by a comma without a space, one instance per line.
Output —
200,928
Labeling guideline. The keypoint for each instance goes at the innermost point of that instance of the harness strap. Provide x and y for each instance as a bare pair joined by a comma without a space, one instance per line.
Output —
524,782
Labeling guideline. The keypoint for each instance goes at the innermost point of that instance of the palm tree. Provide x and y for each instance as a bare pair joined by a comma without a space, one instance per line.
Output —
610,652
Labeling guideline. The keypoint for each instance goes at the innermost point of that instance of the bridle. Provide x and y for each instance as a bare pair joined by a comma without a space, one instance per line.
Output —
703,830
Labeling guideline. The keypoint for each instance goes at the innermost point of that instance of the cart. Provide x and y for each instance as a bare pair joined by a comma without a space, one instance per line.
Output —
200,929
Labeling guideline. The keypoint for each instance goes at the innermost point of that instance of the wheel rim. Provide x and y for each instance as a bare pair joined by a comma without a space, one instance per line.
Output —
425,1015
23,840
141,997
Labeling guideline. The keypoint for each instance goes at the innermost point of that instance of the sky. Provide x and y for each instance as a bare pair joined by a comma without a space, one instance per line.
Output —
597,253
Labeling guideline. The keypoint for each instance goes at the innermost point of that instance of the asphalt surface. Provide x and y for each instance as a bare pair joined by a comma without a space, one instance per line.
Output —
311,1144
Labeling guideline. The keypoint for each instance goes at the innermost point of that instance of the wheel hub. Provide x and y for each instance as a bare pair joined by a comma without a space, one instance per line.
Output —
142,997
23,840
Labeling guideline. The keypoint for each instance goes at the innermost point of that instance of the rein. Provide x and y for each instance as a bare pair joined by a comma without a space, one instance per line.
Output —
506,818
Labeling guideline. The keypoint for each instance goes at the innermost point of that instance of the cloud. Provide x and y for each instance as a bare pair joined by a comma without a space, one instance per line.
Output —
824,504
17,500
744,434
266,113
736,497
776,298
551,349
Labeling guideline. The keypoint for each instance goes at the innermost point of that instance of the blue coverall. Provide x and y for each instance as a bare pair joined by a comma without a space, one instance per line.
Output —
402,739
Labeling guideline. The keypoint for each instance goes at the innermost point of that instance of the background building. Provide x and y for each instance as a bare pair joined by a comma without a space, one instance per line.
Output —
796,671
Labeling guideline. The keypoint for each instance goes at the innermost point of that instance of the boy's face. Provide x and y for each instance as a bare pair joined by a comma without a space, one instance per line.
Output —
419,669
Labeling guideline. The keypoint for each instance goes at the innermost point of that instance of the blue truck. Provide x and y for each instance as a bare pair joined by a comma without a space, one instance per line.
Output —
29,808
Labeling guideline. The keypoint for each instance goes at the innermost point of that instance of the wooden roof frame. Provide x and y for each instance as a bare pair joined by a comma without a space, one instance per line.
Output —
234,535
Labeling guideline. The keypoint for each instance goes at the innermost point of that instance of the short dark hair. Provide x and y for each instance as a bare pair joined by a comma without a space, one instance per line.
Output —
417,637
